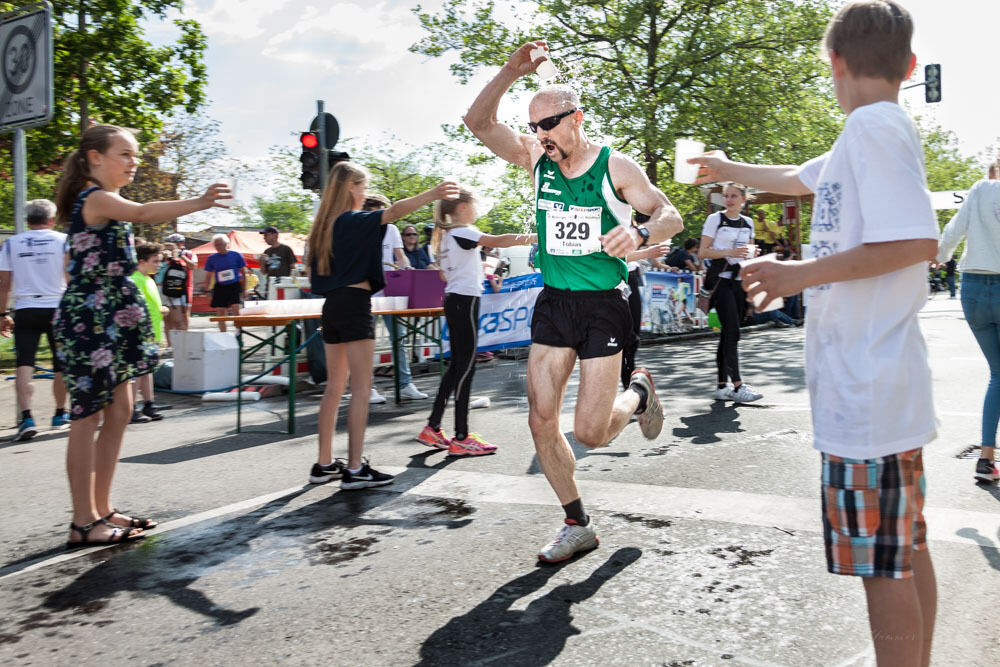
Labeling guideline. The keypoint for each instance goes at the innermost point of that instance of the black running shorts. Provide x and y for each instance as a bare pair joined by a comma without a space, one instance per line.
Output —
29,325
347,315
224,296
594,323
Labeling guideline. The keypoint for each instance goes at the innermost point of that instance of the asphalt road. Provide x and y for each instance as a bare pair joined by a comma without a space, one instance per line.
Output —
710,548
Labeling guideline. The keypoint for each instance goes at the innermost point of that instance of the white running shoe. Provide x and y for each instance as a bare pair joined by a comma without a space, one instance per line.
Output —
410,391
571,539
746,394
375,397
723,393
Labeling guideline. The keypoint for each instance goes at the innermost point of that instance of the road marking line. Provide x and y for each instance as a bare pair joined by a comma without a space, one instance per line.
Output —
719,505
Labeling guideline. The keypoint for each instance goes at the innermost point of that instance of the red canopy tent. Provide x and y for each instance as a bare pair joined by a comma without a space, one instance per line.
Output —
249,244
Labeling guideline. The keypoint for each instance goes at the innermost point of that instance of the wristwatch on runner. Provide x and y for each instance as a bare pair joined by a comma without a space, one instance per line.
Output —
644,235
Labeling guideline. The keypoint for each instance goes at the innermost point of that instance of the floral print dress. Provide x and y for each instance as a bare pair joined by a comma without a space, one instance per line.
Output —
102,329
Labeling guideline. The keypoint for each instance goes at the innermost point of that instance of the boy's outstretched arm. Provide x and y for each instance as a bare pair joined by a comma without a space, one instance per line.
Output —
781,179
766,274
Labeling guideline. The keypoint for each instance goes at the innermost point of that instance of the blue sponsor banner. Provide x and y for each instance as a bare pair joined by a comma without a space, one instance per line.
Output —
505,316
668,302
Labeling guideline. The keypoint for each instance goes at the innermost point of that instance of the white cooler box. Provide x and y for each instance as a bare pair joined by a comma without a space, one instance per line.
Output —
204,360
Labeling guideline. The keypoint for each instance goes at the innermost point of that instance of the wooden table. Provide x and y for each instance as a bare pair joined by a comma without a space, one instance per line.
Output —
407,318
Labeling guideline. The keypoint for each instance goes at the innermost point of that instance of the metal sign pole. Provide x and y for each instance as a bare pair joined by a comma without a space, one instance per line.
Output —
324,161
20,179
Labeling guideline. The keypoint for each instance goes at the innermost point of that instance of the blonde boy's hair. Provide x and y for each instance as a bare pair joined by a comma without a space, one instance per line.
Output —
873,37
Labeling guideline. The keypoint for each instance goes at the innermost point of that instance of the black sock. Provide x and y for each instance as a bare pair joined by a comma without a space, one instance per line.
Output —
574,511
25,414
60,412
643,395
722,385
148,404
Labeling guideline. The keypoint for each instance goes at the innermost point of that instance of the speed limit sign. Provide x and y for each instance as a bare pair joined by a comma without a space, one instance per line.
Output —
26,63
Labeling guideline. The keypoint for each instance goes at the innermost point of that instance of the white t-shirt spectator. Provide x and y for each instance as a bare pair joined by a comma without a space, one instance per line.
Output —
727,237
392,240
866,360
979,219
37,261
460,262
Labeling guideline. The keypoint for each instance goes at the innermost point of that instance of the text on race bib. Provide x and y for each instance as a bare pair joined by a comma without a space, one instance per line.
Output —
227,275
573,232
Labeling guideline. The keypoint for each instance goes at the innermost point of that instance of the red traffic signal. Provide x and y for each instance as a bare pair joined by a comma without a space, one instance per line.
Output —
309,140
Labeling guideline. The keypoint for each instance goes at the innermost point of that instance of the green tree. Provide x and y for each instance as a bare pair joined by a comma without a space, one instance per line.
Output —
106,71
287,206
741,73
40,186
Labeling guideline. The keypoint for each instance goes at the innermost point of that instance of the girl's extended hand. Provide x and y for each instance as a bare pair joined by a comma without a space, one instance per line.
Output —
712,167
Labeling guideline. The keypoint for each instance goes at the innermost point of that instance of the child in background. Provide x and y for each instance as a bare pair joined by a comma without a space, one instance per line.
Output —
873,232
455,243
150,258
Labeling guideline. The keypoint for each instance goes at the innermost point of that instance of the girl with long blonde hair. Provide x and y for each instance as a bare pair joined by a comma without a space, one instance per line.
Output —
345,250
456,242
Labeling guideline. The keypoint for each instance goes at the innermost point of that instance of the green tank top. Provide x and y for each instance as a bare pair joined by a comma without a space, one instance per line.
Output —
571,213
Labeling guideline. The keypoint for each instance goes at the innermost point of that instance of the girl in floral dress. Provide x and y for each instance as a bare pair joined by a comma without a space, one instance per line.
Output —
102,329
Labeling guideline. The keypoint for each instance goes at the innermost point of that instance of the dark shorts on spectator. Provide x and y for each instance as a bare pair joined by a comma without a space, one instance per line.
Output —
224,296
347,315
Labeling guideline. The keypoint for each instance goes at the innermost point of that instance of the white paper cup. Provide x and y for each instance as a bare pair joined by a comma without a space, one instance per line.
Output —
546,69
400,302
774,305
231,184
684,149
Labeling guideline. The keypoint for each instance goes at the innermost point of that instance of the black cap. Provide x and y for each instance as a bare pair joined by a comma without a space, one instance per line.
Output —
270,230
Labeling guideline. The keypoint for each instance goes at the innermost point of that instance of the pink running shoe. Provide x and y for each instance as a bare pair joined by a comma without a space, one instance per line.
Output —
473,445
432,438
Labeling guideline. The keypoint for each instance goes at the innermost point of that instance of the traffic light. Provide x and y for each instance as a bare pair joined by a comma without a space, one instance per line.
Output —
311,157
337,156
932,83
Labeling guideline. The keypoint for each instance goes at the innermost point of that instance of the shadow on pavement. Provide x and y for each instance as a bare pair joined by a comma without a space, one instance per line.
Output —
171,564
703,429
494,633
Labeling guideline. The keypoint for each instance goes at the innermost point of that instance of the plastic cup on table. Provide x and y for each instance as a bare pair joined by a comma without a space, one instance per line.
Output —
684,149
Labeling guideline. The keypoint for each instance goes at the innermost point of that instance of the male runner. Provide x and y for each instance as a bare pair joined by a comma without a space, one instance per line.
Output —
584,196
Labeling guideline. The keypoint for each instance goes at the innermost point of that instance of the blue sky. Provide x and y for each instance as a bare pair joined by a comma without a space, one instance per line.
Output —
270,60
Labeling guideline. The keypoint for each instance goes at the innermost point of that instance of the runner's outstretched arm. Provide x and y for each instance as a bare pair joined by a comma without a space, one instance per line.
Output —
481,118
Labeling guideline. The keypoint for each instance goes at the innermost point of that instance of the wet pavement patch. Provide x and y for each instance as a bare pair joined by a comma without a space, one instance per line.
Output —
342,552
649,522
742,556
453,507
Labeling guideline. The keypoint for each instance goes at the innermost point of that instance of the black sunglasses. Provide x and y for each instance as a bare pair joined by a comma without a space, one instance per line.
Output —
550,122
410,234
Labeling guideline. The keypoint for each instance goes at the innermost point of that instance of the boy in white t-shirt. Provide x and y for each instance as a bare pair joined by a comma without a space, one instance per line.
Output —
873,231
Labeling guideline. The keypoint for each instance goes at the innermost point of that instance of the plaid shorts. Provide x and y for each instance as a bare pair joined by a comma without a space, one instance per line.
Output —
873,516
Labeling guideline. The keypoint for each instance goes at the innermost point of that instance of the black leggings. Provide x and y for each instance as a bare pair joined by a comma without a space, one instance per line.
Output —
635,307
462,313
730,304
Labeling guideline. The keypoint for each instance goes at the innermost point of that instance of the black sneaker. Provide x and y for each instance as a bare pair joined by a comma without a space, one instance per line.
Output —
986,471
150,411
364,478
323,474
139,418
